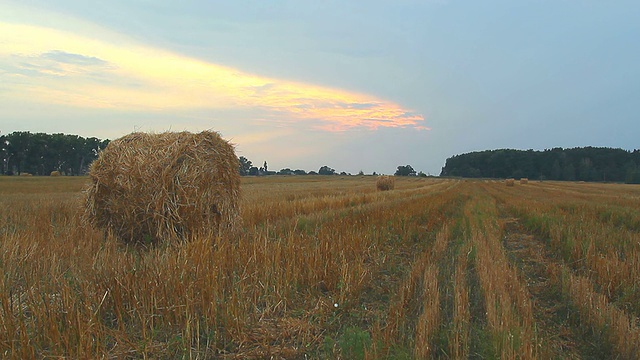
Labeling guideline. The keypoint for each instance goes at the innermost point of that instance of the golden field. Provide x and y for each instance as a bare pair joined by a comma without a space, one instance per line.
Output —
328,267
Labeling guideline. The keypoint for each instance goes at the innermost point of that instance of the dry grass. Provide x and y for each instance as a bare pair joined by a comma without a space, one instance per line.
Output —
602,317
152,187
326,267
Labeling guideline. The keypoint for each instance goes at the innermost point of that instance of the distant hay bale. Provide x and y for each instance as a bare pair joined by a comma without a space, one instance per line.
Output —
524,181
510,182
25,174
385,182
55,173
162,187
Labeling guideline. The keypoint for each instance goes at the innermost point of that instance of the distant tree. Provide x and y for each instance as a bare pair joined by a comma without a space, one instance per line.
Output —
406,170
633,177
41,153
421,174
517,174
254,171
285,171
569,172
266,169
4,154
245,165
586,171
312,173
361,173
556,171
325,170
299,172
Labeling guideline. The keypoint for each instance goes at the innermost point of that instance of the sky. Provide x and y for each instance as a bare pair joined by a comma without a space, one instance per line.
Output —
354,85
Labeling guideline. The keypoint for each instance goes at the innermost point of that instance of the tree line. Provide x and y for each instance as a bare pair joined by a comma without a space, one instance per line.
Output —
581,164
247,168
41,154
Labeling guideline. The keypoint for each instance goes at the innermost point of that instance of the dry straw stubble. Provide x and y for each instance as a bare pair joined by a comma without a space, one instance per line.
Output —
168,186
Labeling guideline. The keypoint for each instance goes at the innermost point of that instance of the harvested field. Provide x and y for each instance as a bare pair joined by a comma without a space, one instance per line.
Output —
329,267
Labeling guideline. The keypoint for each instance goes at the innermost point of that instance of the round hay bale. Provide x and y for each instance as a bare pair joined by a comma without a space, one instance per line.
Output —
510,182
55,173
524,181
162,187
25,174
385,182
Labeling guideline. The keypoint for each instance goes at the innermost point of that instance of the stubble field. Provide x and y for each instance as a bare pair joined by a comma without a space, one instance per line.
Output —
328,267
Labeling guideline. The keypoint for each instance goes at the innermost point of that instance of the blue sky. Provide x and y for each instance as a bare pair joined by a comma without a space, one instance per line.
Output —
356,85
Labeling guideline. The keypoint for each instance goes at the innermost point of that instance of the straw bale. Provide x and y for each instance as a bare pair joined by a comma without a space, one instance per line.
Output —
55,173
25,174
510,182
524,181
385,182
163,187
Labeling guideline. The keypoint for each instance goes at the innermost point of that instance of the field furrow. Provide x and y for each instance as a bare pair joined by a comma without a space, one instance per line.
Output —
559,338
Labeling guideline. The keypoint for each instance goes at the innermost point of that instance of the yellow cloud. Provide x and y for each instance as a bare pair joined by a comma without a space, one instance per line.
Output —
61,67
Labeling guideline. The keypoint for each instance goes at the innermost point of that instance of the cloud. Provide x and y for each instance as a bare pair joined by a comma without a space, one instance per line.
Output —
69,58
57,64
59,67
